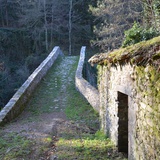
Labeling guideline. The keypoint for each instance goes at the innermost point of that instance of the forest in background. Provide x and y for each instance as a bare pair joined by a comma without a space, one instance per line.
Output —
29,29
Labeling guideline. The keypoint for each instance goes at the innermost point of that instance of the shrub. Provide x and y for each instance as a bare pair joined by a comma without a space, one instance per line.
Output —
137,33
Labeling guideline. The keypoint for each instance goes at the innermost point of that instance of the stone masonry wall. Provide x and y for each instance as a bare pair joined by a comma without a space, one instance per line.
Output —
83,86
142,87
17,103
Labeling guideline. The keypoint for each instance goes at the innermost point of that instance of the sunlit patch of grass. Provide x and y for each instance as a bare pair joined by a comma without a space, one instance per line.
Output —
14,146
47,139
89,147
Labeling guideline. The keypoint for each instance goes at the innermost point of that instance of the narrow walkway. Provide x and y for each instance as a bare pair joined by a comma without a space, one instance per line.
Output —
45,115
57,124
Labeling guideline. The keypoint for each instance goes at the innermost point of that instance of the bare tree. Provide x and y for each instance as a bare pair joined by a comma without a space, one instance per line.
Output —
151,13
112,19
70,26
45,25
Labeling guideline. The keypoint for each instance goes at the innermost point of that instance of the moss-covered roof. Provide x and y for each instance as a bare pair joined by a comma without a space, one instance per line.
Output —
139,54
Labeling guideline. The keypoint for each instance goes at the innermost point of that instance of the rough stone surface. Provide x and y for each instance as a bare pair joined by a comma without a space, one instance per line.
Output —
83,86
17,103
141,86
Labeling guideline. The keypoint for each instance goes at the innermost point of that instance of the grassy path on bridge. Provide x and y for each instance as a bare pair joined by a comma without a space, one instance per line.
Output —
57,123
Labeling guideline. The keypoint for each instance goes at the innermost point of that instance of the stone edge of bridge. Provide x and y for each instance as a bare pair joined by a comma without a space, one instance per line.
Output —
17,103
84,87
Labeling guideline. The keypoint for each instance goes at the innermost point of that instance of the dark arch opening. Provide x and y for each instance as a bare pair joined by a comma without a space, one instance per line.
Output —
123,123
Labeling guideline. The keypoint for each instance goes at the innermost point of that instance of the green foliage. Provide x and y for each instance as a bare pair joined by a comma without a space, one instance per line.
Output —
137,34
100,135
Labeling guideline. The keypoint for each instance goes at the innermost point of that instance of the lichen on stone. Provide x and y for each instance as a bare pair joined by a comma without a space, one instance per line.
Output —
140,54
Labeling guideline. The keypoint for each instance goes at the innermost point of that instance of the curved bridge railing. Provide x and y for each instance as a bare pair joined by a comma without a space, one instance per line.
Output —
17,103
83,86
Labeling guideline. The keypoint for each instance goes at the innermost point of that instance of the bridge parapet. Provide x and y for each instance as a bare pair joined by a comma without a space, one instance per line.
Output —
83,86
17,103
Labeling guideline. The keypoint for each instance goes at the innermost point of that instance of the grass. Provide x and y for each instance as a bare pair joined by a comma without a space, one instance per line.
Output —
42,100
78,109
14,146
88,147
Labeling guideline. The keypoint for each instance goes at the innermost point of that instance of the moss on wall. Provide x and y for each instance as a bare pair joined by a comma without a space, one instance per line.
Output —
138,54
149,79
144,57
148,87
99,69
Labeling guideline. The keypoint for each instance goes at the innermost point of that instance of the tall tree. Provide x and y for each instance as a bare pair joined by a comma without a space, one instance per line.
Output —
81,23
112,19
45,24
9,13
30,28
151,13
70,26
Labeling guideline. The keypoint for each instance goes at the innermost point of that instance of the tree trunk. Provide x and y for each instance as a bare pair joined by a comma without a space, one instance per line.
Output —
7,13
2,18
52,26
70,27
46,31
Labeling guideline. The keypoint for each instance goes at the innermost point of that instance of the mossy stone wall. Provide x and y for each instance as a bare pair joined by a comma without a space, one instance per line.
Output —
148,115
142,86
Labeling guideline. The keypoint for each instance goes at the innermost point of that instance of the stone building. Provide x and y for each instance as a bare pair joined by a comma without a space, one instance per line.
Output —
129,88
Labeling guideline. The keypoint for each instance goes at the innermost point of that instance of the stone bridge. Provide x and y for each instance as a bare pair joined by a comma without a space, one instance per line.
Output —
19,100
